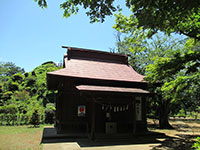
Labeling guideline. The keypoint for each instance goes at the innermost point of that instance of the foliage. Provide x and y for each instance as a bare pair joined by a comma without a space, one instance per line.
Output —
178,75
17,77
135,43
197,144
35,118
138,46
8,113
50,113
168,16
162,51
27,94
158,15
8,69
180,80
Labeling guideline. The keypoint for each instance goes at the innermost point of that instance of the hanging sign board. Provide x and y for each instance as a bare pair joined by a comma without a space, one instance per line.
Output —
81,110
138,108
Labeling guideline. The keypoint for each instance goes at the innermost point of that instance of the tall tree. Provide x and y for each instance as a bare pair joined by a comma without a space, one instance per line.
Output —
179,75
145,52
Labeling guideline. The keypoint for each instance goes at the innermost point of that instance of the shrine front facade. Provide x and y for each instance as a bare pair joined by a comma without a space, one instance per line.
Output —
99,93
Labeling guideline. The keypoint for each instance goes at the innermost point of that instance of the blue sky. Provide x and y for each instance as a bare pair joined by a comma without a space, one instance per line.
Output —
30,35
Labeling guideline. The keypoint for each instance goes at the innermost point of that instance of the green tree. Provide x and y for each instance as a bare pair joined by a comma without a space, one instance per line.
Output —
145,52
179,75
8,69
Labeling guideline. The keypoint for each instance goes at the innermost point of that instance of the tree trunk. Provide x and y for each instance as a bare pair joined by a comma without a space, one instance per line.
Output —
164,114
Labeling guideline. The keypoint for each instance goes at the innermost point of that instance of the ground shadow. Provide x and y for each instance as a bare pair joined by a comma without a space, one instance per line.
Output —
50,136
181,142
183,139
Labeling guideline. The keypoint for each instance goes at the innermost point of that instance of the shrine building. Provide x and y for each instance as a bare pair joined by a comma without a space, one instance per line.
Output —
99,93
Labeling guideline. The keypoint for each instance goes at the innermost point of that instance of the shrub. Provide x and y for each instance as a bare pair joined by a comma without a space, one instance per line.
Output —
9,114
50,113
35,118
35,105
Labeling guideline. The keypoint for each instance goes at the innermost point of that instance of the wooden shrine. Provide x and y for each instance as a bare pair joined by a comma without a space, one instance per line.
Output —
99,93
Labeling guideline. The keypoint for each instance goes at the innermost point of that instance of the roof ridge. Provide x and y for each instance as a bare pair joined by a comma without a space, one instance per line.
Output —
96,51
74,52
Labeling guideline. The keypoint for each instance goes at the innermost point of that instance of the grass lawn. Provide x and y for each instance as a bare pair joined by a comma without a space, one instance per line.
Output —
20,138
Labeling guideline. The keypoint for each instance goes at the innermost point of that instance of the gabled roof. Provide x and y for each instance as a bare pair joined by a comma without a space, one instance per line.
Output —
92,64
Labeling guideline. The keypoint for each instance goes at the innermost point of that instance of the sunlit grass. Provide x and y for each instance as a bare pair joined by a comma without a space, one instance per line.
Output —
20,138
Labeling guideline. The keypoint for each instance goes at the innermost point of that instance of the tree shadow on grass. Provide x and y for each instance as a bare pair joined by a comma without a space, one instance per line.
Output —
181,137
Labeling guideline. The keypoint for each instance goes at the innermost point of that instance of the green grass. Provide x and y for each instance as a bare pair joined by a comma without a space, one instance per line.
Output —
20,138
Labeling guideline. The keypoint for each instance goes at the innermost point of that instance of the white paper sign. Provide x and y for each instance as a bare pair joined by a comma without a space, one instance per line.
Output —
81,110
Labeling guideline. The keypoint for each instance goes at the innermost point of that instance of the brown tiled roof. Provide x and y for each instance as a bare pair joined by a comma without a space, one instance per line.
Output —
110,89
98,70
80,63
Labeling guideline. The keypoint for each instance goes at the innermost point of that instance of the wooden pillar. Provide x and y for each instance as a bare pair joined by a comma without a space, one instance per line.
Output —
134,116
93,120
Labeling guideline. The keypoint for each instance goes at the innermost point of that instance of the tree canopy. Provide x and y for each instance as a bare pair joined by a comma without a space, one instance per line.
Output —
143,53
8,69
158,15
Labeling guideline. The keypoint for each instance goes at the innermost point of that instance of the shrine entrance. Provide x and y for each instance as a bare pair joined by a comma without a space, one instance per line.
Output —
111,115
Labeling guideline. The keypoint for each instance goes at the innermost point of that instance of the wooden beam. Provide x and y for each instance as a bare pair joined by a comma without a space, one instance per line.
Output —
134,116
93,120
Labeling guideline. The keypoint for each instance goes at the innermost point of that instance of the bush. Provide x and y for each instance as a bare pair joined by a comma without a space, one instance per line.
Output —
9,114
33,105
35,118
50,113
